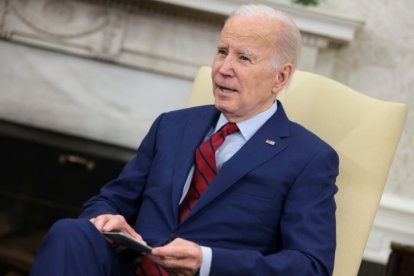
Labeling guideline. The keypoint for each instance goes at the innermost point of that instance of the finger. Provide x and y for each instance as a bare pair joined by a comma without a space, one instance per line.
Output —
176,266
182,255
178,249
118,223
99,221
130,231
139,238
114,222
93,221
167,262
105,223
169,252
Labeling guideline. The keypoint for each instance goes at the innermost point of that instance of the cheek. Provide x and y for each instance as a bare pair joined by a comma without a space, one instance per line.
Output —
249,91
215,66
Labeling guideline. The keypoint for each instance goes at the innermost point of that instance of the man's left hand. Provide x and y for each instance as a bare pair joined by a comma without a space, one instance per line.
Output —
180,257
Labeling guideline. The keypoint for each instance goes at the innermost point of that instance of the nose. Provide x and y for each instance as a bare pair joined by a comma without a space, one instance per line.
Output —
226,67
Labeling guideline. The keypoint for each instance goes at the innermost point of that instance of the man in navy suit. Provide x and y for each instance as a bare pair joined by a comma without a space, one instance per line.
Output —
270,208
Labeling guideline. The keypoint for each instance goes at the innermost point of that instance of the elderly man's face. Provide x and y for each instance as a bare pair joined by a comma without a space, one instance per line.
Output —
244,81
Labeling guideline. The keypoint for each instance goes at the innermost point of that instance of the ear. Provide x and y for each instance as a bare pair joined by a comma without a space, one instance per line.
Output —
282,77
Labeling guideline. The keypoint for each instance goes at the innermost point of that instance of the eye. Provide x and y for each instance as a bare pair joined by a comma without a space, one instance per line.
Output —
245,58
222,51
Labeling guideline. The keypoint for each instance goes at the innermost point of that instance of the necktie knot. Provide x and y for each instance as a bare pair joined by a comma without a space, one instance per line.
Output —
229,128
218,138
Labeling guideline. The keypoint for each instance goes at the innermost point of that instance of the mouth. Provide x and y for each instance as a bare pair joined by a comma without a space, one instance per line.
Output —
225,89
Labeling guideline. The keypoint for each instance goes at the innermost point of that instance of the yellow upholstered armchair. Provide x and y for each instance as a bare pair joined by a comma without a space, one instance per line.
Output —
364,131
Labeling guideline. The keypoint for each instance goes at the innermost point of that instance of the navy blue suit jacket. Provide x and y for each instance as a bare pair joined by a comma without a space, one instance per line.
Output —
269,211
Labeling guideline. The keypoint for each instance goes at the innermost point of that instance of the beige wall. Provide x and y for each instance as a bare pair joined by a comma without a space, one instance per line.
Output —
380,64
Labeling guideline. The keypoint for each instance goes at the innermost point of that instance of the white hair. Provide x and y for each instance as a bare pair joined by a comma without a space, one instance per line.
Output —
289,40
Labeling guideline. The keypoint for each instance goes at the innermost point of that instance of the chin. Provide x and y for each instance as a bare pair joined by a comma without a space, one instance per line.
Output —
218,106
225,109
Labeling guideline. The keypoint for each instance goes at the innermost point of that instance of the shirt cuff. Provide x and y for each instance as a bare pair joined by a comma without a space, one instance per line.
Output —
206,261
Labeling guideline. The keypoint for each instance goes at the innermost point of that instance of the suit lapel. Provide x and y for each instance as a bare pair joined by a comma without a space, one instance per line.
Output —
256,151
194,132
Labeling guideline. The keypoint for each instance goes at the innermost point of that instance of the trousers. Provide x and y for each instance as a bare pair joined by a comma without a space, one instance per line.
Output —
76,247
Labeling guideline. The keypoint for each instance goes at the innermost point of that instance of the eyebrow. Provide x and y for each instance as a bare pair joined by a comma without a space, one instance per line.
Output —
248,53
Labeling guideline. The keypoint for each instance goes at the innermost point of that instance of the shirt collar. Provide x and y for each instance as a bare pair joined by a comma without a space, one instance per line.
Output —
249,127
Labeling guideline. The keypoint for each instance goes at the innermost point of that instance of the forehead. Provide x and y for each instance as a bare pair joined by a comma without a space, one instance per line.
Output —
251,31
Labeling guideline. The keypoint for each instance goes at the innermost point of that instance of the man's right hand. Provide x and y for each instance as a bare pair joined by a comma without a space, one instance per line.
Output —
106,223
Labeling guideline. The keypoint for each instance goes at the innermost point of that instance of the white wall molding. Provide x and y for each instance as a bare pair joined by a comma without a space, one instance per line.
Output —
153,37
334,26
66,26
394,222
141,37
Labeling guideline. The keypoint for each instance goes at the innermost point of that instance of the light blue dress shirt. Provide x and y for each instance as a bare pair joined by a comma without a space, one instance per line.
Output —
230,146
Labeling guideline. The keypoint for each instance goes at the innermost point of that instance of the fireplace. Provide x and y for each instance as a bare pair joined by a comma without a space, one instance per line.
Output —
45,176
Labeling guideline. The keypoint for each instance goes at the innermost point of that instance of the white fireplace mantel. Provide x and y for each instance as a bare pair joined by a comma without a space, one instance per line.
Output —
333,26
148,37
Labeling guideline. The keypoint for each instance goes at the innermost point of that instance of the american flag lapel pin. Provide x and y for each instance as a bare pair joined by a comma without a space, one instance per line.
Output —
270,142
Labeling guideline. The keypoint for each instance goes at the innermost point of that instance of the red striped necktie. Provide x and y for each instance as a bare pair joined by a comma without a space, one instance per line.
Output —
205,168
204,173
148,268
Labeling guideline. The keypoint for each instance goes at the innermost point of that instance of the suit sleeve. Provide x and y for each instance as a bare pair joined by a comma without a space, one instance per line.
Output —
307,228
124,194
